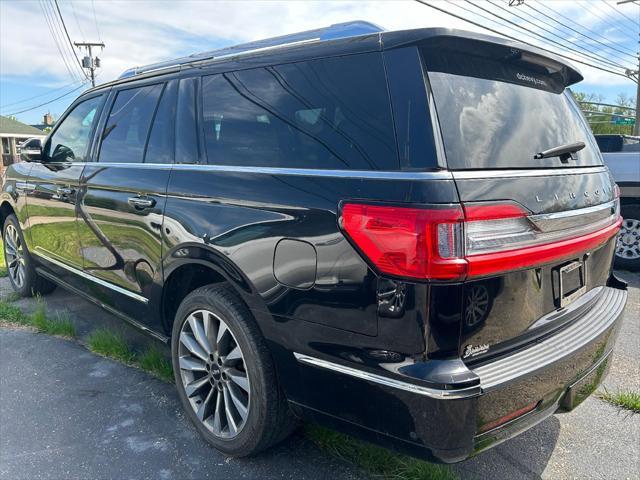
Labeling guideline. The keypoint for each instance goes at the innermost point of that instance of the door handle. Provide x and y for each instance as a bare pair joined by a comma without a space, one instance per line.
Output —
64,191
141,203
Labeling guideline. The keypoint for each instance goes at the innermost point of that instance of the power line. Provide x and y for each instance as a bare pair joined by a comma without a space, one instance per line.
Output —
528,5
53,32
95,20
11,104
591,54
634,22
58,27
479,25
542,36
69,38
597,13
75,15
46,103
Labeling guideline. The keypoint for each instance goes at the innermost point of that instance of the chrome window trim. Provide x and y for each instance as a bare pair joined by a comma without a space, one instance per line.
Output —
306,172
438,393
373,174
97,280
543,172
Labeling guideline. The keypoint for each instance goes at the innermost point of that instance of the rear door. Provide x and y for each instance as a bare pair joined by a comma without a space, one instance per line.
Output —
539,227
120,218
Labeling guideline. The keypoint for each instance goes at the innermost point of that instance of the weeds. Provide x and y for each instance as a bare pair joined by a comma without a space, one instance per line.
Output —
154,362
61,325
623,399
110,344
377,461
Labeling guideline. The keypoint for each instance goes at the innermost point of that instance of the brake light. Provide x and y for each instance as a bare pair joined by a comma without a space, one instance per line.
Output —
456,242
408,242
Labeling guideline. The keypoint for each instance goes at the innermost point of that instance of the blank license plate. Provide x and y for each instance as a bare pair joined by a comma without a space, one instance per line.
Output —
572,282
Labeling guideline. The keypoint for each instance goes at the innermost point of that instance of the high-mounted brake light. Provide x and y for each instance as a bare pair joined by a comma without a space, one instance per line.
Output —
456,242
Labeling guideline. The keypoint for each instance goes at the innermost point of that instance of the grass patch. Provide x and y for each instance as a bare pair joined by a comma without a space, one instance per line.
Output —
110,344
154,362
624,399
61,325
113,345
375,460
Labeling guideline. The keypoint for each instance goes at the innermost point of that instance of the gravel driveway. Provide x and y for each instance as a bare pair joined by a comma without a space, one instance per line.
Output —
67,413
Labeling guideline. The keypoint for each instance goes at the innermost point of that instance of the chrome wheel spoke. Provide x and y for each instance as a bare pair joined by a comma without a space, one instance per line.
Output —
217,421
210,329
193,346
234,354
204,410
192,364
241,408
239,378
194,387
231,422
198,333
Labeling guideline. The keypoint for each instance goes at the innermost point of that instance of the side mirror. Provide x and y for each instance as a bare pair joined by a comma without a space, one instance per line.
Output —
31,151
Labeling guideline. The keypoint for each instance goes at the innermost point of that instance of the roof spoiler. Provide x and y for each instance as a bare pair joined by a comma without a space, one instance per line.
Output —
332,32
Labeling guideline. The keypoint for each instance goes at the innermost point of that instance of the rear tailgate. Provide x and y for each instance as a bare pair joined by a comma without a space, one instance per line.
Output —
539,230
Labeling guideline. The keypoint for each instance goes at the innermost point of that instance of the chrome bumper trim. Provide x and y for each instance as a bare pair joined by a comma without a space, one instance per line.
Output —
431,392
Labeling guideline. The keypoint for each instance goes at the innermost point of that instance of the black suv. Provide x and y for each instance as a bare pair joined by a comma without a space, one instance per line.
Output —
404,235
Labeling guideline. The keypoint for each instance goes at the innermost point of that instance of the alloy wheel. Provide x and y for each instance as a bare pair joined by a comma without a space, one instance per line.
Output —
214,374
628,245
14,252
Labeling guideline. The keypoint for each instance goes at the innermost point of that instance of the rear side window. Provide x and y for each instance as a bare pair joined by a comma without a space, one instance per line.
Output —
499,114
329,114
127,128
160,147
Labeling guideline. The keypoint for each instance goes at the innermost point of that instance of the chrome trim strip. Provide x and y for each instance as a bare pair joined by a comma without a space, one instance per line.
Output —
594,323
545,172
550,222
438,393
111,310
97,280
306,172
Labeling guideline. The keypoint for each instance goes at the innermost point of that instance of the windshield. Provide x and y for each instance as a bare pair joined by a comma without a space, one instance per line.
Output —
489,123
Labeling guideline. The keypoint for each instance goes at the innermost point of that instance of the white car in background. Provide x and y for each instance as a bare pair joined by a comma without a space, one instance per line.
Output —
621,154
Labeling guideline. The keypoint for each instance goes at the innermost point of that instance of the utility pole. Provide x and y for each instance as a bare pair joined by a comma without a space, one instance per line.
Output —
88,61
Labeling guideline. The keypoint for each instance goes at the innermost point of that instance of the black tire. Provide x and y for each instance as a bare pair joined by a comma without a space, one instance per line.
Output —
269,418
628,243
29,283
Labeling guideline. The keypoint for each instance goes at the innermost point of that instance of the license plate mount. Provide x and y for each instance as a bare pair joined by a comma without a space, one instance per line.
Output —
573,282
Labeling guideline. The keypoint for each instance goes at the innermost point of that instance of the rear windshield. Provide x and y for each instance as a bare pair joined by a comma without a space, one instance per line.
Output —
503,120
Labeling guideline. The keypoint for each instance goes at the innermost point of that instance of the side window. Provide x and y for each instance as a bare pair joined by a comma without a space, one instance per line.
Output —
70,141
127,128
160,147
329,113
186,125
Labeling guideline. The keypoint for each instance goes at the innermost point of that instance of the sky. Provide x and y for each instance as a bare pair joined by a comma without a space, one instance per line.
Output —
138,32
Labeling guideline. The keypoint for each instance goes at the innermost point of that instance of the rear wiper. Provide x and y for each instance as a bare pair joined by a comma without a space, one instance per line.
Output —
565,152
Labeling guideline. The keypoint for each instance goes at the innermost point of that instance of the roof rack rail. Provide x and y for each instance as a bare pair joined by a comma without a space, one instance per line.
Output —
332,32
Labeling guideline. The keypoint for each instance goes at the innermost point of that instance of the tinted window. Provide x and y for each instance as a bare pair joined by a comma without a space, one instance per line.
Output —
328,113
499,114
160,146
609,143
70,141
186,124
125,133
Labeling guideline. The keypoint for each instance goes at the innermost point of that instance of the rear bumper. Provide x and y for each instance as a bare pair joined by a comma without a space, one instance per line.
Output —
449,412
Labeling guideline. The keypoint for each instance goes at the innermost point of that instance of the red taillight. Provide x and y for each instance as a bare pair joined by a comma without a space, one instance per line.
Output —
449,243
408,242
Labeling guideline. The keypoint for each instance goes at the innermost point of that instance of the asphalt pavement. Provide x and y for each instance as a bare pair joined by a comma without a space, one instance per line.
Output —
67,413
